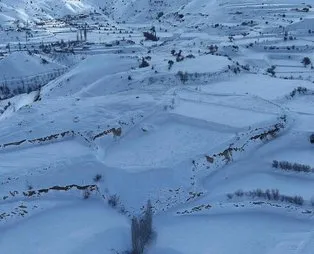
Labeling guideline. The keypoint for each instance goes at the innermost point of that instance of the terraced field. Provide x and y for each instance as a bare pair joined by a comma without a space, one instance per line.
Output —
211,122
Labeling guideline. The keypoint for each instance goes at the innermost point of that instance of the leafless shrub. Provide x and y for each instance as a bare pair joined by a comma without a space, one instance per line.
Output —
275,164
299,90
230,195
190,56
113,200
268,194
285,165
86,194
97,178
183,76
239,193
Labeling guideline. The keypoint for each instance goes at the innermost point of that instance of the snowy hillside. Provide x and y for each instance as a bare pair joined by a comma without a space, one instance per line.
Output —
173,127
28,65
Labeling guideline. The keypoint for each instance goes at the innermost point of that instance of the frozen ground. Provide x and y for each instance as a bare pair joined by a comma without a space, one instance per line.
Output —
192,122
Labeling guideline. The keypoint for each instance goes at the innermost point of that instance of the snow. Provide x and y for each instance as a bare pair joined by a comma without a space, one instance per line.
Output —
260,85
94,69
86,225
182,142
169,139
256,232
221,115
28,66
202,64
35,156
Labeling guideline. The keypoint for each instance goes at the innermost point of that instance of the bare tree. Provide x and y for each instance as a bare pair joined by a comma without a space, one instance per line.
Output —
85,33
142,230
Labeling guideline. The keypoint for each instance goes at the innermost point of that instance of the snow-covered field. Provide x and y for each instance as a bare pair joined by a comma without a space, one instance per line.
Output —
95,121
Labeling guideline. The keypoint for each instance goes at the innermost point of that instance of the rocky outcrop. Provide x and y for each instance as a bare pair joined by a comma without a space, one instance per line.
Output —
115,132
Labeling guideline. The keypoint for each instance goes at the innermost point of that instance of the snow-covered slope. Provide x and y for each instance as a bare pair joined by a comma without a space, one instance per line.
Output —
29,65
26,10
212,122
